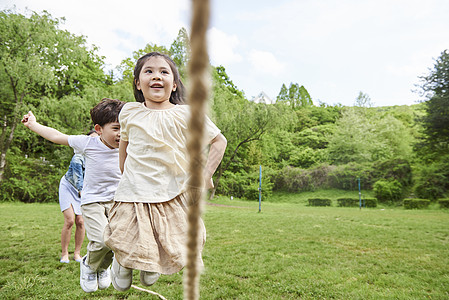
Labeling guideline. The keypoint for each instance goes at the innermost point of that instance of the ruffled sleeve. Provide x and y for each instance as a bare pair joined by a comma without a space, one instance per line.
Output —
123,118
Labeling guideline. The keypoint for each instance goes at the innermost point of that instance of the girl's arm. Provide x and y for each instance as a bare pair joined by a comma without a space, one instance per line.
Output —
48,133
216,152
122,154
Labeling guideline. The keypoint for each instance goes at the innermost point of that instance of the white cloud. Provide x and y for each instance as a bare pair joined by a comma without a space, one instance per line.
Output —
117,28
222,47
265,62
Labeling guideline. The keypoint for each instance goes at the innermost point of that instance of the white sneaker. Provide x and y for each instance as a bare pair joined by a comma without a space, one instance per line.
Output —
149,278
104,278
121,277
88,278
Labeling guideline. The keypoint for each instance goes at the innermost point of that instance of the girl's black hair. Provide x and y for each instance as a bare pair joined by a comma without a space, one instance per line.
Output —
176,97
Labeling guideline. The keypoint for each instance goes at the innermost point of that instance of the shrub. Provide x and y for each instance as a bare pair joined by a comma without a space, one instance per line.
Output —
370,202
30,180
388,191
355,202
394,169
348,202
320,202
444,203
416,203
244,185
345,177
432,181
293,180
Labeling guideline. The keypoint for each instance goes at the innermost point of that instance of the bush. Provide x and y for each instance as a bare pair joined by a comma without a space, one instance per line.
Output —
244,185
370,202
416,203
345,177
293,180
432,181
355,202
319,202
444,203
348,202
388,191
30,180
394,169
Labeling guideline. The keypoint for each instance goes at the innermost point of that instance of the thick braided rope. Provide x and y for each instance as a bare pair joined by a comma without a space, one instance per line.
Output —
197,98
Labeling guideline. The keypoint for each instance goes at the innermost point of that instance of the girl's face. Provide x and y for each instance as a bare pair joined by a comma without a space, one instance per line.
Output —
156,81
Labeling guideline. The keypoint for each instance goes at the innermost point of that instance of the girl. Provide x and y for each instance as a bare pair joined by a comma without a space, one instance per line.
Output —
148,222
70,188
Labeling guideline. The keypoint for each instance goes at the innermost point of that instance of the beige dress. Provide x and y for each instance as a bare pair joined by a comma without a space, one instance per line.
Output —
148,223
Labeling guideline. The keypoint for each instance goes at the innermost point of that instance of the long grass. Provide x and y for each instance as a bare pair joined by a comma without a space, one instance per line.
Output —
287,251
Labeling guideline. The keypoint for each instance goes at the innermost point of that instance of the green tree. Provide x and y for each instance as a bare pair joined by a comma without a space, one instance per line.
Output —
283,95
179,51
436,120
240,120
296,96
363,100
360,137
37,59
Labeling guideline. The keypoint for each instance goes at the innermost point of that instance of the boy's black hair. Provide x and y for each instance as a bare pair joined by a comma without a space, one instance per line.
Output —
106,111
176,97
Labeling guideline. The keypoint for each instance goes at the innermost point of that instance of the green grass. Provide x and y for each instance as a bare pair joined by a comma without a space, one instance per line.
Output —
288,251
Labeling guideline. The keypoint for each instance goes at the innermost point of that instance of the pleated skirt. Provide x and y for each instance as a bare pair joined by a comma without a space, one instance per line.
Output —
151,236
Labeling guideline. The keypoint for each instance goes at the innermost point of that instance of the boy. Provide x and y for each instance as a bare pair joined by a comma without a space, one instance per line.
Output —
102,175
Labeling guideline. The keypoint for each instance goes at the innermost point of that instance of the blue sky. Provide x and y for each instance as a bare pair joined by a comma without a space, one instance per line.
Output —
334,48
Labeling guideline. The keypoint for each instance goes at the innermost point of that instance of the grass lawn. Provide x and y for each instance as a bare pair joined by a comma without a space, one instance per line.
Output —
288,251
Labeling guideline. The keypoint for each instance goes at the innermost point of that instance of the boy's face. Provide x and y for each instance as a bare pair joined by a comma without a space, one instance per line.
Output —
109,134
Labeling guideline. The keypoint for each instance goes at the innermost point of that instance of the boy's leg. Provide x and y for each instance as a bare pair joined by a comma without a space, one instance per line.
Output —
99,256
95,215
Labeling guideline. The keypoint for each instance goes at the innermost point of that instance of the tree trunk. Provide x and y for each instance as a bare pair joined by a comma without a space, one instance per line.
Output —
6,144
223,169
217,181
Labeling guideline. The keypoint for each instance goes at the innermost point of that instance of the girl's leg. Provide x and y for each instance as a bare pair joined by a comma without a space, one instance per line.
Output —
69,220
79,236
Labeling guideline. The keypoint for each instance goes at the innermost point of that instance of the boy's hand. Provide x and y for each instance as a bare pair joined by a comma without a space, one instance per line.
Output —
29,119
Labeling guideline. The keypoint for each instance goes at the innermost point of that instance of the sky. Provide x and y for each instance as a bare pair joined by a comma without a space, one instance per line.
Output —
334,48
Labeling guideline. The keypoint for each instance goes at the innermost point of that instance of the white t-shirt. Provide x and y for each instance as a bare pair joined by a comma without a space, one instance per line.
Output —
156,165
102,172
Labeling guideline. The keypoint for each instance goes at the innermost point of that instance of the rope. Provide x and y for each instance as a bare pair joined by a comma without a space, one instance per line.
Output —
148,291
197,98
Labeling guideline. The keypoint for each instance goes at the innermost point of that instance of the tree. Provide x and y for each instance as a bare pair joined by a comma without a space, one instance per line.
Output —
283,95
179,51
240,120
367,137
39,60
296,96
436,121
363,100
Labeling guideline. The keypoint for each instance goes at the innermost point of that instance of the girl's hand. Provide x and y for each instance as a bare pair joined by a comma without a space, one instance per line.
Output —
28,119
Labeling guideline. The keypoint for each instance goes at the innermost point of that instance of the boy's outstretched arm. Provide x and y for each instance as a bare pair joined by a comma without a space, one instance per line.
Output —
48,133
216,152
